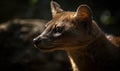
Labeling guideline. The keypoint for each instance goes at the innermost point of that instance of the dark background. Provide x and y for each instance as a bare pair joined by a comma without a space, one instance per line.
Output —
22,20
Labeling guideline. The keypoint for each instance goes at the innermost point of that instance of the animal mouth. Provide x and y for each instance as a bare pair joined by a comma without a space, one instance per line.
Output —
46,48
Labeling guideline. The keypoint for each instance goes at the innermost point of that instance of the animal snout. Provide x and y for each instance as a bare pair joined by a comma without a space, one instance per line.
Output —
36,41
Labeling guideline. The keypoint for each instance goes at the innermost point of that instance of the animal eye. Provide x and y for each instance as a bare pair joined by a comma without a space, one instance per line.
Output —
58,30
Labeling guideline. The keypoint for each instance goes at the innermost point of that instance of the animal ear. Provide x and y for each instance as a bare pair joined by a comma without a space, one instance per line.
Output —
55,8
84,13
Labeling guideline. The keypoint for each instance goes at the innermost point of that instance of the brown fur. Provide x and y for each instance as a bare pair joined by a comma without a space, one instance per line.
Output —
78,34
114,39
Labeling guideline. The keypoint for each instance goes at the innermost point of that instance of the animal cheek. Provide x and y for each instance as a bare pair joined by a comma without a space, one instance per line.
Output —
57,34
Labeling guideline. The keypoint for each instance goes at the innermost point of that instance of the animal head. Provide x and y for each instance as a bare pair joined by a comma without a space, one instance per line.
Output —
67,30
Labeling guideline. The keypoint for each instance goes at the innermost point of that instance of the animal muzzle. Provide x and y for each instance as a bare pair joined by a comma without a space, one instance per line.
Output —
37,41
42,41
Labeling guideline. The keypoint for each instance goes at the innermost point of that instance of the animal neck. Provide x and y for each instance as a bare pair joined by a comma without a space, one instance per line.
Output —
84,59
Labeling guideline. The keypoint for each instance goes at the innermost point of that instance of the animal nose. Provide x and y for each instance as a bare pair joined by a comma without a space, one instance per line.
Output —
36,41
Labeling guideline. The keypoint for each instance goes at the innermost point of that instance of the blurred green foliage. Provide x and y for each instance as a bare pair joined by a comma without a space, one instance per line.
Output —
110,20
33,2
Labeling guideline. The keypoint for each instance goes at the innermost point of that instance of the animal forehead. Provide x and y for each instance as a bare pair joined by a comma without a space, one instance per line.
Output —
61,18
64,15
